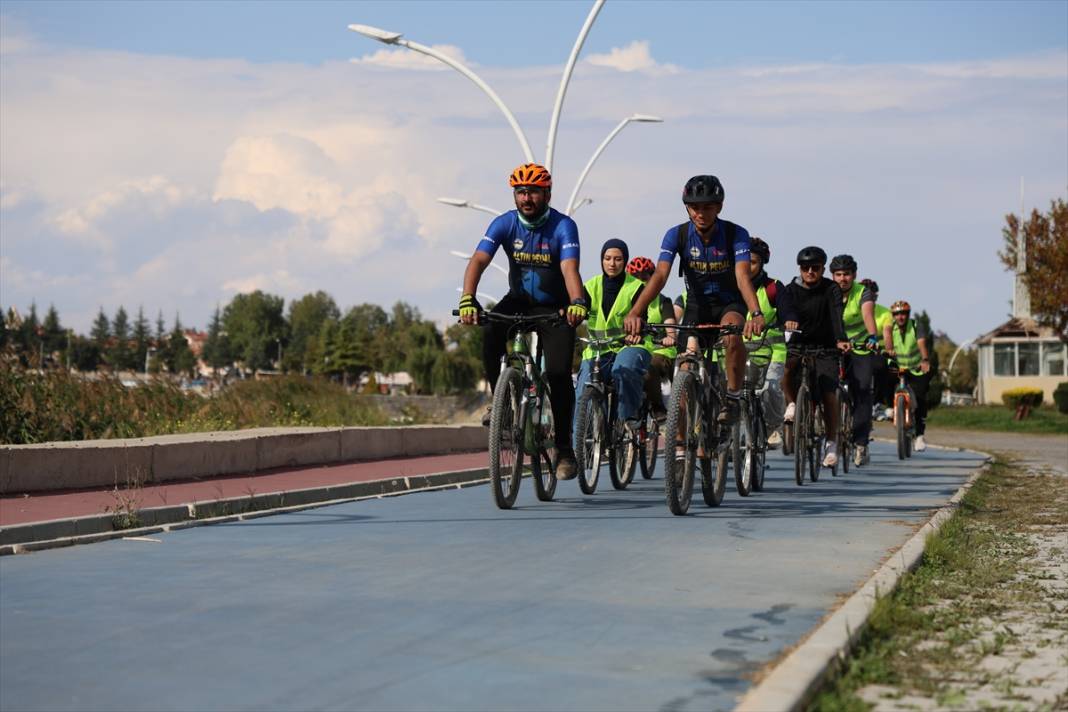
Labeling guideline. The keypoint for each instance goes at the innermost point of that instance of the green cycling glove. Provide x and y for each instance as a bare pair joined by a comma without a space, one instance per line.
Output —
469,306
579,308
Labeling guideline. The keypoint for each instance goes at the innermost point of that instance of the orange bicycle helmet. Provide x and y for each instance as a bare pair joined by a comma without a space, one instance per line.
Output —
900,307
530,174
640,265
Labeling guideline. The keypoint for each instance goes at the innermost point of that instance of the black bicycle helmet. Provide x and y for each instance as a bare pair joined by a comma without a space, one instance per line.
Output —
812,255
761,248
844,263
703,189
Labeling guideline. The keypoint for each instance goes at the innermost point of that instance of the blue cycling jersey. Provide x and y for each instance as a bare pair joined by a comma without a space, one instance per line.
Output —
534,256
708,267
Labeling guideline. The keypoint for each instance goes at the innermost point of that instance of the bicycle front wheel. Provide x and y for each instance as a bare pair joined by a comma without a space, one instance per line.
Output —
802,423
743,450
682,435
845,432
624,457
590,439
817,437
714,482
760,447
900,414
506,439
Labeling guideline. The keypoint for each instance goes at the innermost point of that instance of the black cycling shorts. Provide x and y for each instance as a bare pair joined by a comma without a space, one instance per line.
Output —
826,368
698,312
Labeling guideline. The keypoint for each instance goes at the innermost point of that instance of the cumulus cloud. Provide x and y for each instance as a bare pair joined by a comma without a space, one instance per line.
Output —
634,57
155,194
402,58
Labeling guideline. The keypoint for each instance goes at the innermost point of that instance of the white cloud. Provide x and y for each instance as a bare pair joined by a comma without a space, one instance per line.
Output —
403,58
634,57
14,36
155,195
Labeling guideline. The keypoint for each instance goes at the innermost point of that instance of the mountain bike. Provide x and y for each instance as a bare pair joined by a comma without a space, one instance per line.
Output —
904,411
599,434
846,446
692,431
807,429
521,420
753,433
648,440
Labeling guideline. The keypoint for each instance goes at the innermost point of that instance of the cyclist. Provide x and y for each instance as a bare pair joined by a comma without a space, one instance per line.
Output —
858,317
907,340
542,246
663,364
768,290
882,382
812,304
714,259
611,295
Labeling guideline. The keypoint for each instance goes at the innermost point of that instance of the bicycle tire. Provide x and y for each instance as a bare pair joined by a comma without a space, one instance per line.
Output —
800,428
788,437
902,430
624,457
744,441
714,482
760,452
817,438
506,439
845,434
543,473
682,429
650,447
589,439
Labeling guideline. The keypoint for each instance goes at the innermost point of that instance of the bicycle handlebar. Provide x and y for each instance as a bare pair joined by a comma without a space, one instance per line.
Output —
485,316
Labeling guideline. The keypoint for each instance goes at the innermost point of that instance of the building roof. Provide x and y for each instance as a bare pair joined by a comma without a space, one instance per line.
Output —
1018,328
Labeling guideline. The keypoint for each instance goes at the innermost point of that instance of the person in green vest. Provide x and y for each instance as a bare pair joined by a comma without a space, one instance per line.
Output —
662,366
882,390
611,296
908,344
858,318
773,352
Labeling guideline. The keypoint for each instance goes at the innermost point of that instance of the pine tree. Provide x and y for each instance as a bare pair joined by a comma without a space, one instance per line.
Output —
101,329
142,335
121,356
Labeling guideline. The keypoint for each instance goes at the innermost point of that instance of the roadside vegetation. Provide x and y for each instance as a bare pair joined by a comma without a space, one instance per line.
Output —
40,407
999,418
980,624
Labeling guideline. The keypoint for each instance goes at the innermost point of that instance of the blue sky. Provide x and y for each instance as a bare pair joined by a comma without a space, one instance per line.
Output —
171,155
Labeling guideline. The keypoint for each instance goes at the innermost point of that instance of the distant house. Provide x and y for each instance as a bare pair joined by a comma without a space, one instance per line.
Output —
1020,352
389,383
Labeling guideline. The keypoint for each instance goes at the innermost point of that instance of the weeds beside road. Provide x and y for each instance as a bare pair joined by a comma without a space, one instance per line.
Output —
998,418
983,622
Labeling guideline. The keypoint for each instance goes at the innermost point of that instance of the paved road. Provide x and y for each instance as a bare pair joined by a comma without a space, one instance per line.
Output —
439,601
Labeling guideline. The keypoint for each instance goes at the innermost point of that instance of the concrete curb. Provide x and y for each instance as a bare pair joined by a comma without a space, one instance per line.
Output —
56,533
800,675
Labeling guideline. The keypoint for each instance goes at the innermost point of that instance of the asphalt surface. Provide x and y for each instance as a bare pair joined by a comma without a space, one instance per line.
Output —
440,601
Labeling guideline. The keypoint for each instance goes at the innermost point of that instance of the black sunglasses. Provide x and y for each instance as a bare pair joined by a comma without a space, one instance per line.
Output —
811,268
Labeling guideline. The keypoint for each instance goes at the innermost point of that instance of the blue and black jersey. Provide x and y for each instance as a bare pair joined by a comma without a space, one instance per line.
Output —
534,256
708,267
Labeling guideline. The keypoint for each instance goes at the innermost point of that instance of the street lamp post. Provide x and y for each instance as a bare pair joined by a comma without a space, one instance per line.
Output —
397,38
579,204
460,203
554,122
641,118
466,257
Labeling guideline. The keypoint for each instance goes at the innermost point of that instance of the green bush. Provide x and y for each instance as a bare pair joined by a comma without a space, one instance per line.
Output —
1060,397
1023,396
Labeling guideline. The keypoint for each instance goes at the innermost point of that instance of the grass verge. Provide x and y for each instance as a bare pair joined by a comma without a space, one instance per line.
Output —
998,418
933,638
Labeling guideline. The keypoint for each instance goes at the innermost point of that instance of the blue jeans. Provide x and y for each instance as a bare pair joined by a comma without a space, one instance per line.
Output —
627,370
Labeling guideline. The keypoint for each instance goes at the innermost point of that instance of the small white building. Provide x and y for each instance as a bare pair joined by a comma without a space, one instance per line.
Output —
1020,353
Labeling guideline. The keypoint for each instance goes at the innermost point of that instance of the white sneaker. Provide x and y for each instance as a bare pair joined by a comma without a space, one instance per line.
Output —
788,416
860,456
889,413
920,445
775,440
830,459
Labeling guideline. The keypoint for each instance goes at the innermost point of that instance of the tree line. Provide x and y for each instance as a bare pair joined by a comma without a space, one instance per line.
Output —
255,332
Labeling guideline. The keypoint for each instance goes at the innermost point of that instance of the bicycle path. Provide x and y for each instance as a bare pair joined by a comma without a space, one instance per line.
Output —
440,601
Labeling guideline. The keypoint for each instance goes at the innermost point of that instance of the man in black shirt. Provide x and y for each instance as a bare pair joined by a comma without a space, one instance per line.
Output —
812,306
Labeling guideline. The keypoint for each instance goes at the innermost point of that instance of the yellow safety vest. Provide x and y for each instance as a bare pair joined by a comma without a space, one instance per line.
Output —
602,325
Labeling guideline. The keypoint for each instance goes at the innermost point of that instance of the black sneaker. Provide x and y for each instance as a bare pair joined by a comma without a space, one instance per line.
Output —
566,467
486,418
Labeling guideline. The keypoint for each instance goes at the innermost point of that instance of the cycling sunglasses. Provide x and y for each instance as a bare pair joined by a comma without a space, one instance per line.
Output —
812,268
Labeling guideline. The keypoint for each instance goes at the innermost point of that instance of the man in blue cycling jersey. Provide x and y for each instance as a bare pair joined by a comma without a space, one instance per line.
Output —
714,259
542,246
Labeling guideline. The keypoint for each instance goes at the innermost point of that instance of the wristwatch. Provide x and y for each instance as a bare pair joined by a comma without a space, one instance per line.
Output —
756,313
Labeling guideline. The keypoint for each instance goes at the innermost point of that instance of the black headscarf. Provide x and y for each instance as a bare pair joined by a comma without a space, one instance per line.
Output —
612,285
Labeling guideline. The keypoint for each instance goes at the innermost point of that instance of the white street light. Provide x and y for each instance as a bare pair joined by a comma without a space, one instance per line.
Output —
487,297
554,122
396,38
459,203
640,118
579,204
464,257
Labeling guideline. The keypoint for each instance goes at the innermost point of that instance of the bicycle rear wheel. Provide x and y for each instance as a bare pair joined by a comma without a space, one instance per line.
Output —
506,439
845,432
760,447
682,435
649,447
728,455
817,437
541,465
802,422
900,414
590,439
624,457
